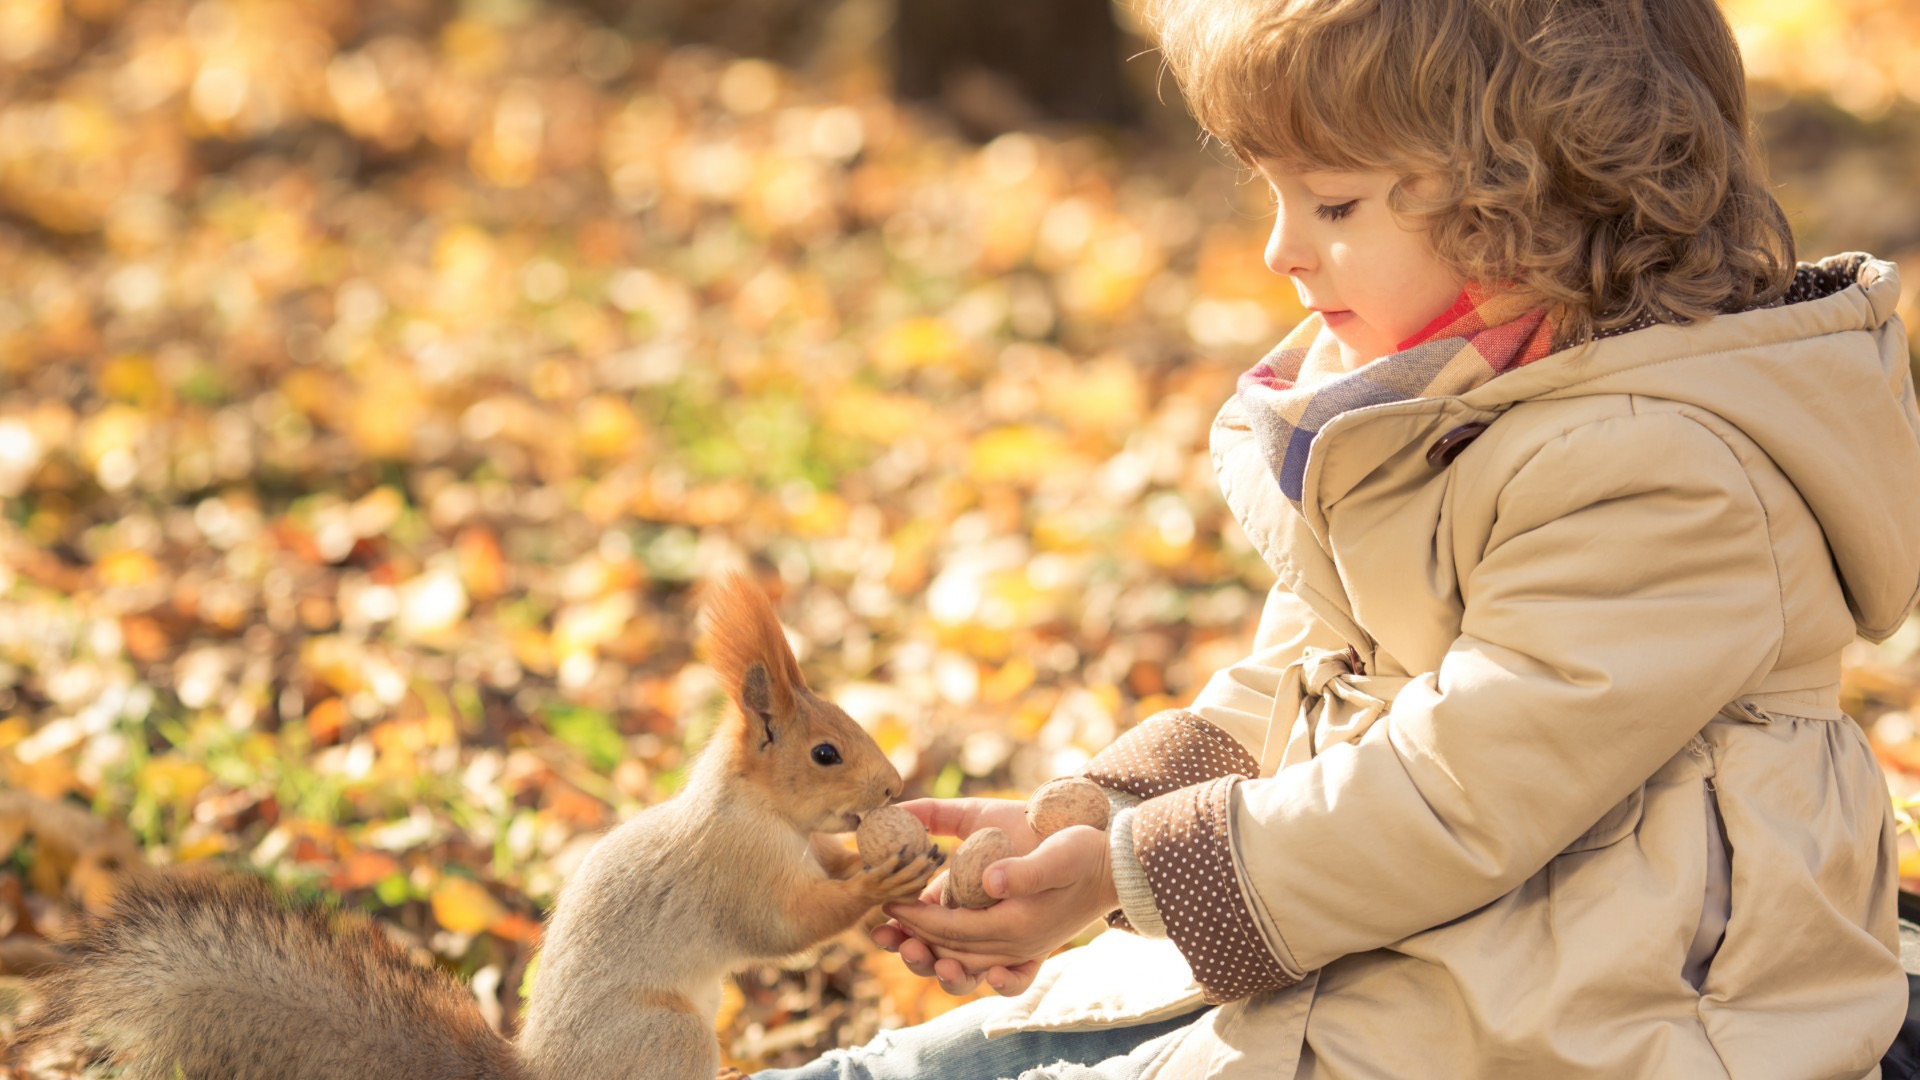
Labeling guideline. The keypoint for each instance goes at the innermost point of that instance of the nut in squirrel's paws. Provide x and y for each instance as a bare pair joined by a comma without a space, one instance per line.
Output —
889,832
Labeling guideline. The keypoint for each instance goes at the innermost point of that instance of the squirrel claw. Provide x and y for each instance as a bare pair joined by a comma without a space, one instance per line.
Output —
905,878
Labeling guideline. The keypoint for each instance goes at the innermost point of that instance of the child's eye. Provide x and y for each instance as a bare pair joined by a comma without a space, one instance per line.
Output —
1334,213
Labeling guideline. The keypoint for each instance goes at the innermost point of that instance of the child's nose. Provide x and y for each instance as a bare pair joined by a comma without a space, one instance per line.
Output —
1286,254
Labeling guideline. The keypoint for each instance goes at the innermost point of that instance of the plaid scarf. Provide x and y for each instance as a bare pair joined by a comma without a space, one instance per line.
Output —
1296,389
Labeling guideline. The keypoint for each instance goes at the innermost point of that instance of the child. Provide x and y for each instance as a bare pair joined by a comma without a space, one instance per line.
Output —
1575,490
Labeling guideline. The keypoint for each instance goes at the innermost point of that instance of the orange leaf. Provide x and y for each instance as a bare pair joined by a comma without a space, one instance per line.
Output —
516,927
483,567
465,907
575,807
363,868
325,720
147,640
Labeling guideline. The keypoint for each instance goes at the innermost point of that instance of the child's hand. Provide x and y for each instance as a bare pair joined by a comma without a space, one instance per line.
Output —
961,818
954,978
1046,897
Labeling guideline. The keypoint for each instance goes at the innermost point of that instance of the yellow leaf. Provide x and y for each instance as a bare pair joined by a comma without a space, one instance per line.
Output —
174,779
336,661
1032,715
465,907
533,648
880,418
13,729
1018,454
607,427
204,848
818,513
375,512
1007,683
889,733
114,430
127,568
130,377
50,777
917,343
390,407
1105,395
1066,531
314,393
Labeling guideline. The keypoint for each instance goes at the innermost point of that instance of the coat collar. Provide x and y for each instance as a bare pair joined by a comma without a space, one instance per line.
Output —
1764,353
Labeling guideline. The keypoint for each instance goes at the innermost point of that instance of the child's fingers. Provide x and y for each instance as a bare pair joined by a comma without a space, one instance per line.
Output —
918,957
979,963
954,978
948,817
1008,981
1000,933
1052,865
947,927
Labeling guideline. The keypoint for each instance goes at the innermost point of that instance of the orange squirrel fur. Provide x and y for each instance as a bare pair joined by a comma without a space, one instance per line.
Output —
218,979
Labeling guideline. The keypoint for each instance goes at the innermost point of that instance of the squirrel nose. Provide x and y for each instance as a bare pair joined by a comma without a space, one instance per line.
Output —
893,792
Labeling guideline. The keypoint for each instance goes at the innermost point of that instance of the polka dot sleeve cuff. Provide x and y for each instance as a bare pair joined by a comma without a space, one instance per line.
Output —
1183,845
1166,752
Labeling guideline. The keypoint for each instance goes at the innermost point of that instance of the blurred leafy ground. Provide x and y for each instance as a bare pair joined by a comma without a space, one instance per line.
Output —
380,378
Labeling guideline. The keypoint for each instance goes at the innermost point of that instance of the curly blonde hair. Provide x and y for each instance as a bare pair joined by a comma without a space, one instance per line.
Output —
1596,153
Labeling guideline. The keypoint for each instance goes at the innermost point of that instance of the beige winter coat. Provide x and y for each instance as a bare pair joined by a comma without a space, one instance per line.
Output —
1609,632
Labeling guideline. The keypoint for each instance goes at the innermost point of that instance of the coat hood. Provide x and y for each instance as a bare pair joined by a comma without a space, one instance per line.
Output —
1821,383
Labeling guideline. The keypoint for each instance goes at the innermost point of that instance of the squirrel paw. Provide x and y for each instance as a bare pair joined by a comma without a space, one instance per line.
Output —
730,1073
904,878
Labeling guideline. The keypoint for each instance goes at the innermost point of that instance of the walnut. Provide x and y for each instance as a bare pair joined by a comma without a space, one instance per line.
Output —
890,833
1070,800
963,887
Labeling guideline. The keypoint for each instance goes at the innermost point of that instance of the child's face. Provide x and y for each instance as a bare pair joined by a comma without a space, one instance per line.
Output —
1375,282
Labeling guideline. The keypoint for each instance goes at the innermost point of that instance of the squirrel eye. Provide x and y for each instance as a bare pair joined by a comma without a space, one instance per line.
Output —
826,754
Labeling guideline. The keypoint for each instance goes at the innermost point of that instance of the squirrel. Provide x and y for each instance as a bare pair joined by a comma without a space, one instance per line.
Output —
215,978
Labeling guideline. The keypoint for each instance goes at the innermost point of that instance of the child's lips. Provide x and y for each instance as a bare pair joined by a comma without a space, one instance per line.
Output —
1334,319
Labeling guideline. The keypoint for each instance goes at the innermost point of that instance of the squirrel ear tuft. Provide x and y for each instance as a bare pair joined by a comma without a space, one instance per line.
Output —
743,636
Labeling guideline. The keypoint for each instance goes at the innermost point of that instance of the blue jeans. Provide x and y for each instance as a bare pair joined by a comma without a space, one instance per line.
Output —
950,1047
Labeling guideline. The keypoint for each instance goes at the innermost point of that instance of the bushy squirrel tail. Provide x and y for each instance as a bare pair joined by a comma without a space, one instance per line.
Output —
217,978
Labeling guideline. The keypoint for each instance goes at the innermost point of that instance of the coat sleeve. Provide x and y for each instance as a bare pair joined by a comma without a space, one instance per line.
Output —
1220,734
1627,592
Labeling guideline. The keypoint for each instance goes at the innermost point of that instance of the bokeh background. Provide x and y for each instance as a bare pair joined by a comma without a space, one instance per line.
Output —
377,379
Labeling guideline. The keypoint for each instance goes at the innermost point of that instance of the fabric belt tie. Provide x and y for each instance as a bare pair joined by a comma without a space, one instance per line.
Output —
1336,706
